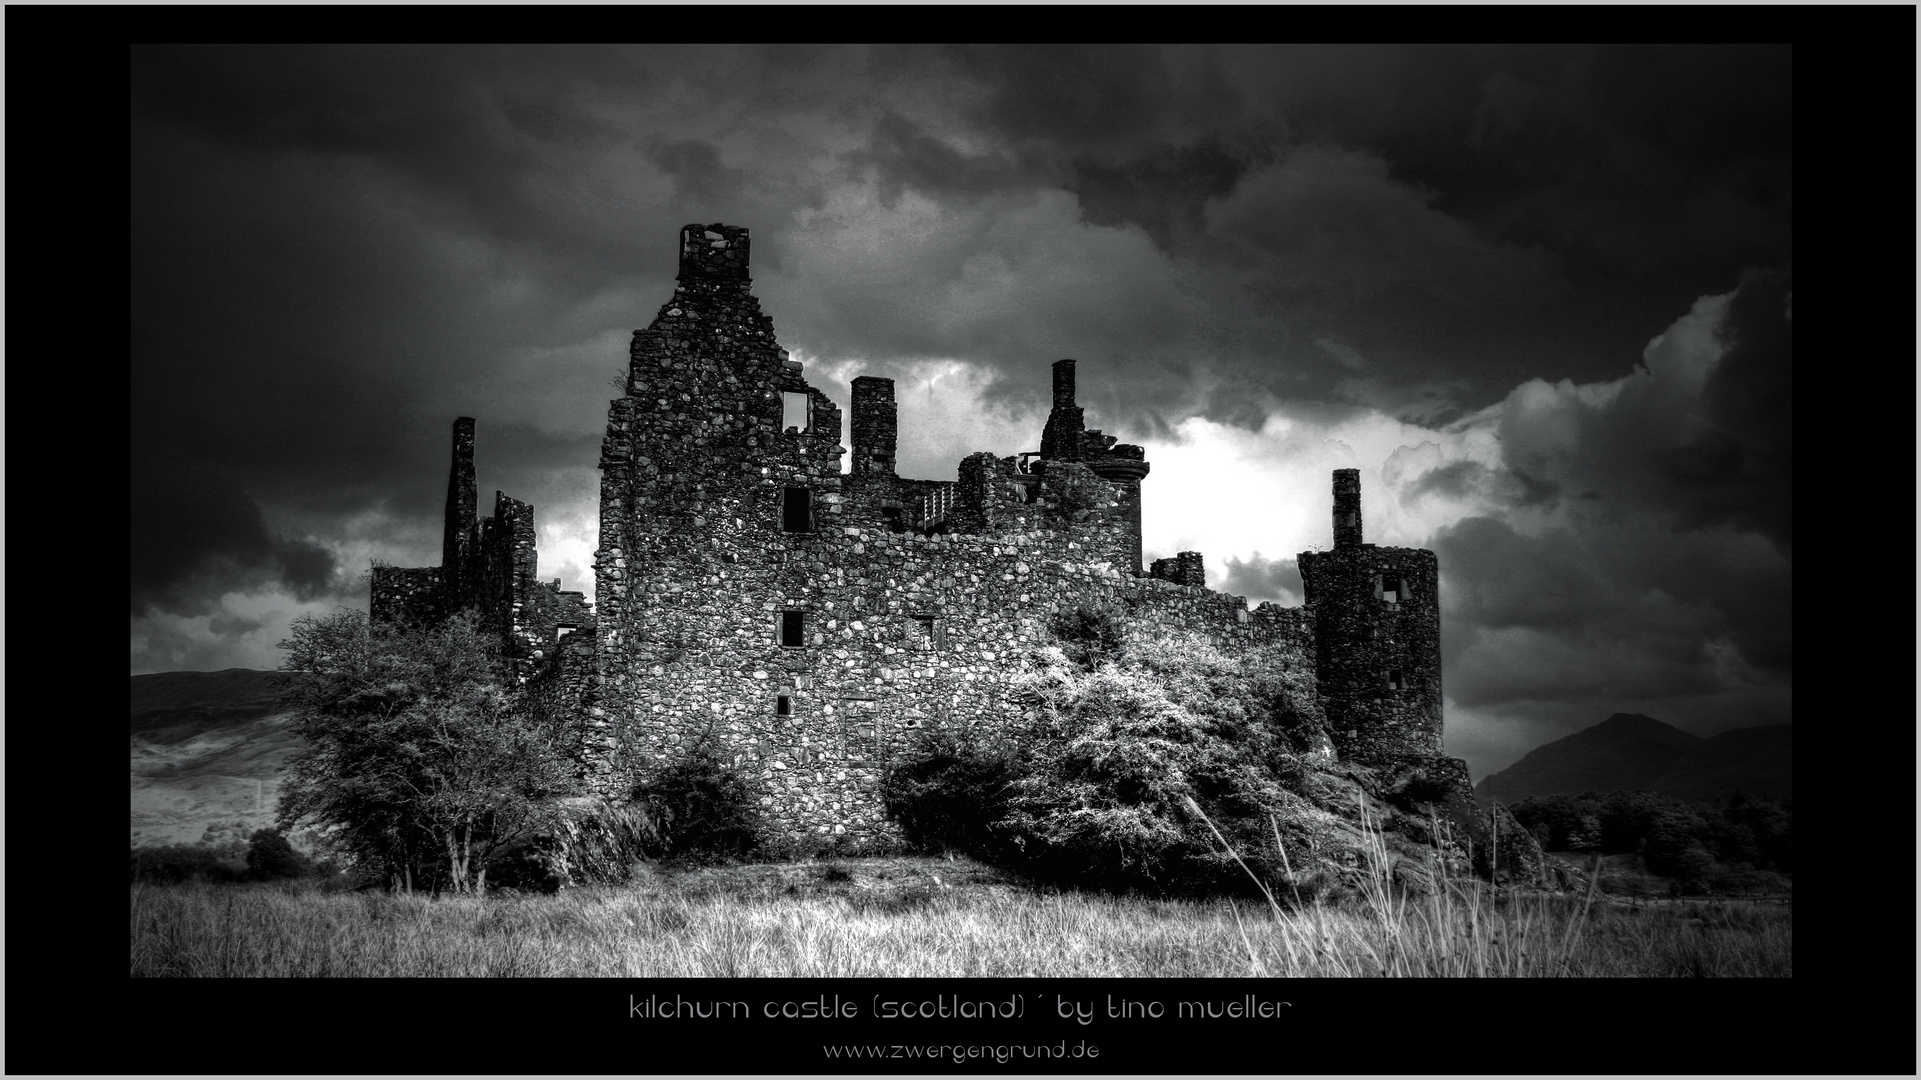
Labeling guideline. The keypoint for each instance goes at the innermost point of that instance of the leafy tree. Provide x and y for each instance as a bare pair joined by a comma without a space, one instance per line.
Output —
418,761
270,856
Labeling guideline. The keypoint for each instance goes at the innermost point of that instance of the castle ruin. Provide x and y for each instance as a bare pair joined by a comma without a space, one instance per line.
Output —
801,621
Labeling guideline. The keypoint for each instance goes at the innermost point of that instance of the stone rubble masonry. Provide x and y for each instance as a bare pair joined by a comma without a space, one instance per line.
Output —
1061,438
804,624
456,552
408,596
1347,508
1366,638
1183,569
876,426
915,600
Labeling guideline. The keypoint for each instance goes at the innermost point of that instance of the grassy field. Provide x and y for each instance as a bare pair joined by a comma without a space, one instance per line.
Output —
928,917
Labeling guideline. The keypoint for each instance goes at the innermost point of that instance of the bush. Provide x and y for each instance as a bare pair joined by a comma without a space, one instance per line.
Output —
701,809
270,856
1109,799
1753,832
950,791
1089,636
174,863
1118,756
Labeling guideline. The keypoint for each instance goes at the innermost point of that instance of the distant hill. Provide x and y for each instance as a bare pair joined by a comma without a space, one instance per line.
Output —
206,750
1630,752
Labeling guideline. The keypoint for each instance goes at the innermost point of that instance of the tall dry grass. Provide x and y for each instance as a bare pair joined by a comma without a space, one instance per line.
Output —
1465,927
665,929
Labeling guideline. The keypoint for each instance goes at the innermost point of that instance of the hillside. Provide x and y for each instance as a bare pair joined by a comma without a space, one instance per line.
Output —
1630,752
206,748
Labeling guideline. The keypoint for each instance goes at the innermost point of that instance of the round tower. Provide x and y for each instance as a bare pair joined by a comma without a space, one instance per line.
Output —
1377,619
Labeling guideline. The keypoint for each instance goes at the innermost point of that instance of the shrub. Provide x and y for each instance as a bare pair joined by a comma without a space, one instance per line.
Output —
1107,800
270,856
173,863
1089,635
1117,754
949,792
418,759
701,809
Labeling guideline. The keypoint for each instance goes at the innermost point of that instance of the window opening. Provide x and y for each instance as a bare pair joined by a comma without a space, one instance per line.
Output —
797,510
1394,680
563,630
783,706
793,628
1391,590
890,517
927,631
796,412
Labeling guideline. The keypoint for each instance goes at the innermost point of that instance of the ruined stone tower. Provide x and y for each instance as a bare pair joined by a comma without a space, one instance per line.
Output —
1377,620
488,567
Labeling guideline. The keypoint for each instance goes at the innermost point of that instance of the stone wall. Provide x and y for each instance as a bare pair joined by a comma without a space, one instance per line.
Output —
1184,568
405,596
1379,659
457,543
898,631
808,645
876,426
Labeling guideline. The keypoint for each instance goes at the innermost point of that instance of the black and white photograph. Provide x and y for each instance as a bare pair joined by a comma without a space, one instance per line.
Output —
672,512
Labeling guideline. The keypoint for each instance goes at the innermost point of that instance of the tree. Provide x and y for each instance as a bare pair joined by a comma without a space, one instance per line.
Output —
418,761
270,856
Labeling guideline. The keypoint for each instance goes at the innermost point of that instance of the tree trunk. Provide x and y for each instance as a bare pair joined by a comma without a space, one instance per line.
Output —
458,862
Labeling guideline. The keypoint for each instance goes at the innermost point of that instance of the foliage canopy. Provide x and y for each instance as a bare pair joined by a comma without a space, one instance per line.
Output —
418,761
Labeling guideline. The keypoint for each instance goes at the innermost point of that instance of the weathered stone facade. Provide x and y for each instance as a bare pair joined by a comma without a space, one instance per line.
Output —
757,602
803,621
1378,626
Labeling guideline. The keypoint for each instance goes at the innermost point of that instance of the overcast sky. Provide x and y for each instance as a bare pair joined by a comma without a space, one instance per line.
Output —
1540,297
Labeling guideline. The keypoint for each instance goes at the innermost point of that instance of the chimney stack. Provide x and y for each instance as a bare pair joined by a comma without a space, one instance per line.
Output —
456,542
876,426
1061,438
713,252
1347,508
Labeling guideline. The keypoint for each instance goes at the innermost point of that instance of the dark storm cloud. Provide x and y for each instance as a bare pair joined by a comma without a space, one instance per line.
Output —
196,537
1749,397
696,168
1457,479
1658,563
1700,438
903,155
1462,219
337,250
1163,190
473,135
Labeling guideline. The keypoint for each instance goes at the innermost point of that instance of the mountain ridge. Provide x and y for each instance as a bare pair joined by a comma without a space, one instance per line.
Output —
1632,752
